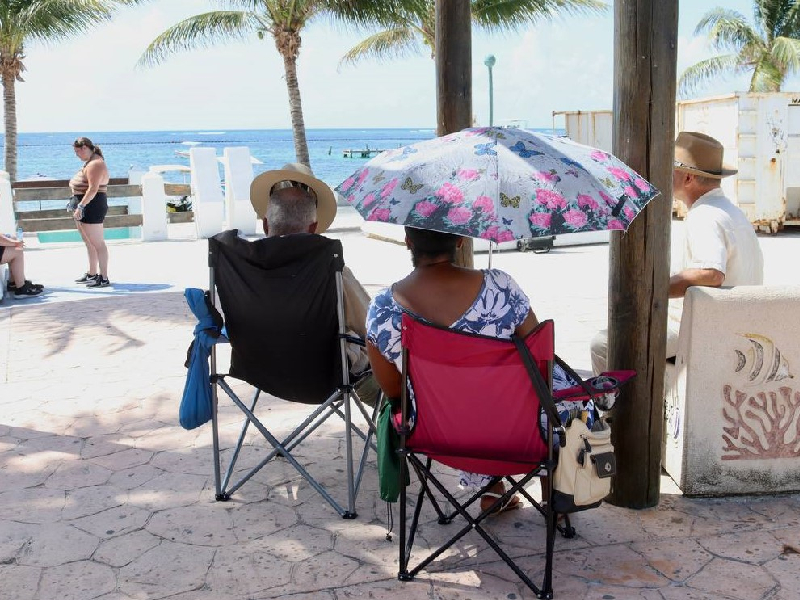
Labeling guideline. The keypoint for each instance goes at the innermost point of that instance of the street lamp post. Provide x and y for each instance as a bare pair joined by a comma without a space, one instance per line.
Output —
489,62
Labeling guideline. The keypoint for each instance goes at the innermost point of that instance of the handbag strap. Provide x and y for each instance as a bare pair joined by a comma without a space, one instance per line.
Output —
577,378
539,385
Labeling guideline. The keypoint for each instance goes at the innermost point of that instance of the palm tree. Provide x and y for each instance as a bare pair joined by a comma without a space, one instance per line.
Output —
770,47
281,20
24,21
407,27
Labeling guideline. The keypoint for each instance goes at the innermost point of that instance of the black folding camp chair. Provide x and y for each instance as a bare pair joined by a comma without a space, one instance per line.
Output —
282,303
476,406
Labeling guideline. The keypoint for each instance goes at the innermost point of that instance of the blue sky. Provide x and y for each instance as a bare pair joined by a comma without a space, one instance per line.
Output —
91,83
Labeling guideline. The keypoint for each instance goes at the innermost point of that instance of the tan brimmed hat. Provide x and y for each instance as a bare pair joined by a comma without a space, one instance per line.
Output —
700,154
262,186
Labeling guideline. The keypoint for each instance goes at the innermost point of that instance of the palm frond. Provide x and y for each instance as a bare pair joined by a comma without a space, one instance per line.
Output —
201,31
767,77
49,20
727,30
786,54
513,14
391,43
700,73
790,26
384,14
770,16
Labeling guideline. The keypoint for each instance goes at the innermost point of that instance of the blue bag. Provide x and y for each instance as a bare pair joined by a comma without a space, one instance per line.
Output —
196,407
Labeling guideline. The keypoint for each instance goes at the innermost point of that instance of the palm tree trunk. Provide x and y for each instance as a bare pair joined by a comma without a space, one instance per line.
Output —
296,110
10,121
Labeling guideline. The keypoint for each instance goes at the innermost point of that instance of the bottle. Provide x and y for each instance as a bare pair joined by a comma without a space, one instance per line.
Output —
19,231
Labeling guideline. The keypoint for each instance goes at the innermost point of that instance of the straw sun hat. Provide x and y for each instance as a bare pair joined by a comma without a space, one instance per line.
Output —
262,186
700,154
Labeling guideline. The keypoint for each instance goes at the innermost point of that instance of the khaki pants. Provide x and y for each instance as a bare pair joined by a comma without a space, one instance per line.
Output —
599,347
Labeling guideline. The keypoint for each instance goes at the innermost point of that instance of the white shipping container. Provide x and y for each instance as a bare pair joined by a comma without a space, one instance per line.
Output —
761,136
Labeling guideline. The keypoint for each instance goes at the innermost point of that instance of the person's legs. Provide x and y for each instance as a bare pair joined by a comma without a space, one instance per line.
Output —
493,493
599,346
94,233
673,328
90,249
14,258
599,352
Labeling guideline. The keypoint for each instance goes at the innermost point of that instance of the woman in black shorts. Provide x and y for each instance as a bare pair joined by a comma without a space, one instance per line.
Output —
89,187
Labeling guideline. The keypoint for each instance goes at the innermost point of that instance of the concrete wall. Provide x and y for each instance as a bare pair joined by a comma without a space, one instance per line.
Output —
733,395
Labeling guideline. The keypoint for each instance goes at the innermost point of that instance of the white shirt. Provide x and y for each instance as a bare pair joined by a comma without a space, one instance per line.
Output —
720,236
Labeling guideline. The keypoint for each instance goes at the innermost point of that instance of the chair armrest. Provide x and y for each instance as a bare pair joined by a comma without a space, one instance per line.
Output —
352,339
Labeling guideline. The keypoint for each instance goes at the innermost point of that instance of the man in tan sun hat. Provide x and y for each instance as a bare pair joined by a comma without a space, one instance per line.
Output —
720,245
291,201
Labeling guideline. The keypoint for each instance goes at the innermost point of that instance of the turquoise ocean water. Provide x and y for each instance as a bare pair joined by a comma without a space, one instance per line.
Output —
50,154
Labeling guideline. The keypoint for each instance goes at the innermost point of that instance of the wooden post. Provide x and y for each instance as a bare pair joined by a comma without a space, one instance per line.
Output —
454,78
645,55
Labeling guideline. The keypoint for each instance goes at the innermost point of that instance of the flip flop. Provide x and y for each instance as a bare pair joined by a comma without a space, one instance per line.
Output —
513,503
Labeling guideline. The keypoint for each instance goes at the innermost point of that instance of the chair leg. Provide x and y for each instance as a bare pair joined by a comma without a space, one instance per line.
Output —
239,442
348,450
471,524
218,493
402,573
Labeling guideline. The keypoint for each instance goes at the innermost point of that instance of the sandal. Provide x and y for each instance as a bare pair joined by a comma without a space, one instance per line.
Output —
512,503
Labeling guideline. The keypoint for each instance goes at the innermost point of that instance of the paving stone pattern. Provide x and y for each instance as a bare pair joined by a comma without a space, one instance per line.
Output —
105,496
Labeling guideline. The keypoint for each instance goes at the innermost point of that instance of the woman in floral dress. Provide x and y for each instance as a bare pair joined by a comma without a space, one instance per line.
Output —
483,302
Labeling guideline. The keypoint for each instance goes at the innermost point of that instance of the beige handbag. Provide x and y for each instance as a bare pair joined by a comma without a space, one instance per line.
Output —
585,467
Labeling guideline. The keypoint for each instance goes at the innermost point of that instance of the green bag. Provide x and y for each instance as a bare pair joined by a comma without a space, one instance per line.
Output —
389,465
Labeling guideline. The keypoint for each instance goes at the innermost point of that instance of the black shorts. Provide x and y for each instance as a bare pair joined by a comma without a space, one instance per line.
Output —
95,211
2,249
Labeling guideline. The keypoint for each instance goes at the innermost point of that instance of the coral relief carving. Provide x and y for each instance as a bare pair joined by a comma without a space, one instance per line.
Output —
761,425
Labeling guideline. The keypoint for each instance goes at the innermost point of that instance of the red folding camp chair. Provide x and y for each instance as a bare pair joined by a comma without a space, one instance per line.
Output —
474,403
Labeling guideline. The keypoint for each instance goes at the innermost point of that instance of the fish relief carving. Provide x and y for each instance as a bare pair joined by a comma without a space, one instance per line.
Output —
762,362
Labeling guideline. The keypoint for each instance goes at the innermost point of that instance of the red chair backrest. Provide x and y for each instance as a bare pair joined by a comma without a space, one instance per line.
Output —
477,409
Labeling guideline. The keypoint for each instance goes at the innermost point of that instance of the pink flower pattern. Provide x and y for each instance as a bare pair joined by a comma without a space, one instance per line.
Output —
450,194
550,199
425,208
541,220
389,188
557,195
620,174
546,176
380,214
575,218
459,215
586,201
484,204
468,174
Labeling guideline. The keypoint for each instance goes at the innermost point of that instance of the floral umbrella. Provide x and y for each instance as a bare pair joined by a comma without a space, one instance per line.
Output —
498,184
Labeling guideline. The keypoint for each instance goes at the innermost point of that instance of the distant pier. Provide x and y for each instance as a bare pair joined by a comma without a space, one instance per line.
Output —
361,152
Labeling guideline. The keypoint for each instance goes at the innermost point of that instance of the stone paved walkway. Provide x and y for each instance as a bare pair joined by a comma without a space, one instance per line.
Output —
104,495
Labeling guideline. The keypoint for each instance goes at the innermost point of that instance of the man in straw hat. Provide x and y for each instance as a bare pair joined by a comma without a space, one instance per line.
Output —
720,245
292,201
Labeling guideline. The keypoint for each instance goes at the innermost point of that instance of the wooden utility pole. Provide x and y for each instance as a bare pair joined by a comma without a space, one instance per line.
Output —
645,39
454,78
